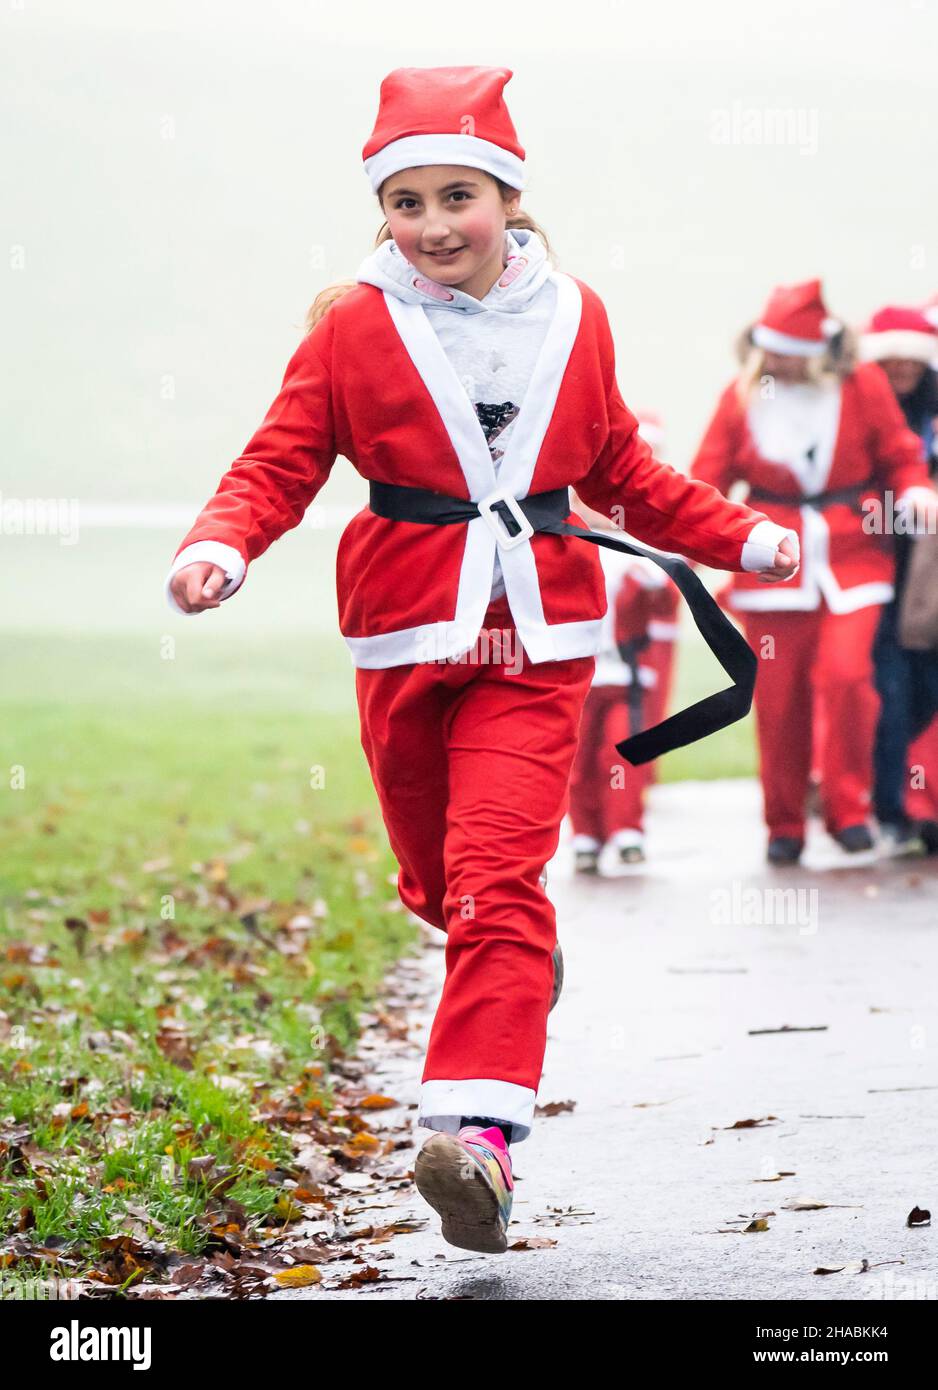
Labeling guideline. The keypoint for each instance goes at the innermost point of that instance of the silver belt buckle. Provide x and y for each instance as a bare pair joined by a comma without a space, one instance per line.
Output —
505,541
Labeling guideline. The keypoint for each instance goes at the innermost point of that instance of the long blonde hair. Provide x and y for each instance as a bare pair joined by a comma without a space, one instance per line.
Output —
836,363
326,298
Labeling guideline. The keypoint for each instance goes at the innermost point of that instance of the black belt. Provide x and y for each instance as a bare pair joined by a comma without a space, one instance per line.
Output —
546,511
634,696
820,500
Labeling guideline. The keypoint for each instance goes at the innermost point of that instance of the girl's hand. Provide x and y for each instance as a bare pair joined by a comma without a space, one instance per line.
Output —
786,564
196,587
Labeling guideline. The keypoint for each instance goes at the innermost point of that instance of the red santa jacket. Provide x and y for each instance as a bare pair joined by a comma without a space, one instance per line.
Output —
805,440
372,383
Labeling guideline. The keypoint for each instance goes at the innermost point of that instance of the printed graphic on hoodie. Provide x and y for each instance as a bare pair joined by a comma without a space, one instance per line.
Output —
495,420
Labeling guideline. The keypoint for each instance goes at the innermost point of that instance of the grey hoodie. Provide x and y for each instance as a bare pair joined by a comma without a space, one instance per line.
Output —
492,343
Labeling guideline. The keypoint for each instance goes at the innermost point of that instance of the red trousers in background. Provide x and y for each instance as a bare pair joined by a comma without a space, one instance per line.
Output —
817,660
471,762
607,794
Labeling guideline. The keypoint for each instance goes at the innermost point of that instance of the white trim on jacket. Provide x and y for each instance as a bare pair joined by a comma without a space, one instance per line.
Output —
817,580
449,640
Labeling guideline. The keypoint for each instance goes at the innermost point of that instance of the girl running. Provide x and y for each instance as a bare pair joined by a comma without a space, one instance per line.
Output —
471,383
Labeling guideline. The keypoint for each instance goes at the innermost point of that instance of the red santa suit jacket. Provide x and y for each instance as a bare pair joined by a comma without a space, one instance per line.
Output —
809,439
372,383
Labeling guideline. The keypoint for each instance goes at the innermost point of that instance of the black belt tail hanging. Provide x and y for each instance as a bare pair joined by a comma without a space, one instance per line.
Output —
546,511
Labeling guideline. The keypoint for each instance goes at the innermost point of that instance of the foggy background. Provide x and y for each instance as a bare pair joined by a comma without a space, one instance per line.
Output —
180,180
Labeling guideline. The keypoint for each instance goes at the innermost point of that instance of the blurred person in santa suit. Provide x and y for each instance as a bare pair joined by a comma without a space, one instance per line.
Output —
630,691
816,440
904,343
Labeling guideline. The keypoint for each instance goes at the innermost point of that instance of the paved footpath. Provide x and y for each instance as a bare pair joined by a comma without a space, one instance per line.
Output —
644,1187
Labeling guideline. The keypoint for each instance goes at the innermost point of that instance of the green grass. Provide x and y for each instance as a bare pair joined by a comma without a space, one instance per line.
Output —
729,753
190,928
192,924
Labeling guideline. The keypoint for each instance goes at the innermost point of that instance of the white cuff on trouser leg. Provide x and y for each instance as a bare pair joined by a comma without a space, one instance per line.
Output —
443,1103
585,844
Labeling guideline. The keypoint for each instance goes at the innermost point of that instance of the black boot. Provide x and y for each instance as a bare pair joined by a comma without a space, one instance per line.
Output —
586,861
854,838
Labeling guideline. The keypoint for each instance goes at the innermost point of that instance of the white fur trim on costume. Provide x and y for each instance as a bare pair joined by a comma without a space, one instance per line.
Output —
798,426
761,546
443,1103
660,631
773,341
817,580
838,600
917,493
612,670
628,838
215,553
899,342
410,151
585,844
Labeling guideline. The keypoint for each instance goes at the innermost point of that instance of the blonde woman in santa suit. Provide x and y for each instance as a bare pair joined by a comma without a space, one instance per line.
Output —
822,446
466,379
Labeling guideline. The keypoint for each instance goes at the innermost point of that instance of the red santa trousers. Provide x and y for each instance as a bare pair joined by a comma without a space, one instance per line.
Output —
607,794
809,660
471,761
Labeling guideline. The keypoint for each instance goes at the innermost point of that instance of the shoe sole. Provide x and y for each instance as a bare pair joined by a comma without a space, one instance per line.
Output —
558,976
458,1191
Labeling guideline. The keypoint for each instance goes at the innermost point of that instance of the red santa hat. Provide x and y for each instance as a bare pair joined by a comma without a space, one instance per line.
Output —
795,321
444,116
897,332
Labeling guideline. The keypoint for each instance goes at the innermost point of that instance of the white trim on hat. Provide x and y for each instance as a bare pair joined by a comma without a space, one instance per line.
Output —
899,342
412,150
784,343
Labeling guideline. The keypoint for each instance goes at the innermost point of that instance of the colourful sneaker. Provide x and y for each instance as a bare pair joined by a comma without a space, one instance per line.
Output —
466,1177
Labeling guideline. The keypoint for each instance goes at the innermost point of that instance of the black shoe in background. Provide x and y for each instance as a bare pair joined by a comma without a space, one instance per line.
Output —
928,834
784,849
854,838
586,861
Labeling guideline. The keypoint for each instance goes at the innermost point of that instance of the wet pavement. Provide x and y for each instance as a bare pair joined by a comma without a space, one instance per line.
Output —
679,975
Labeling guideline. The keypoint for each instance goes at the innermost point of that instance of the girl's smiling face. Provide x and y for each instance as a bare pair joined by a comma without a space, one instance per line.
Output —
449,222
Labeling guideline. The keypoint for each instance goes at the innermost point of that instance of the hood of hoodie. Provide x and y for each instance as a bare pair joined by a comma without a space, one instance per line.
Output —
525,272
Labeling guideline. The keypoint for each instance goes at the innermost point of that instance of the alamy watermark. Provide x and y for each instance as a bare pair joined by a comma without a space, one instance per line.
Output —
792,126
452,643
757,907
889,516
40,516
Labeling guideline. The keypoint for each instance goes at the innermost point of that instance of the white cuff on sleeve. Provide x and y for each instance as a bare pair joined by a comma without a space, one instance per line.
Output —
764,539
216,553
915,494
